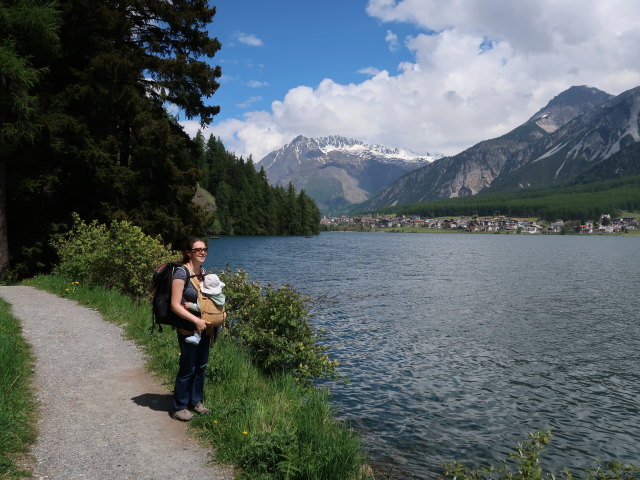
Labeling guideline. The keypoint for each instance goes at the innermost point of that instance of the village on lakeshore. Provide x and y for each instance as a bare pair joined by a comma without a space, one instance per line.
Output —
497,224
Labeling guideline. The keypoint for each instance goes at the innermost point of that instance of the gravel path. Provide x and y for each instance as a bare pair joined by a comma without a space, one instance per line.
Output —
101,415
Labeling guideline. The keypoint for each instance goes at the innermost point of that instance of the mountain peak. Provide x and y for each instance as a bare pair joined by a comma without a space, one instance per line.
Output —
578,129
336,170
356,147
579,95
568,105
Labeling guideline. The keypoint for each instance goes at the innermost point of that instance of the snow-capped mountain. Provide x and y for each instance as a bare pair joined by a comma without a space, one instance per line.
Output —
336,171
578,130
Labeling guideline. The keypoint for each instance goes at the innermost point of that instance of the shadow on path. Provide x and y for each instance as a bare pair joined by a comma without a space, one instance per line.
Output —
160,402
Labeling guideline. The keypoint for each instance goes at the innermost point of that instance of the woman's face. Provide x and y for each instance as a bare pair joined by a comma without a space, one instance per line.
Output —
198,252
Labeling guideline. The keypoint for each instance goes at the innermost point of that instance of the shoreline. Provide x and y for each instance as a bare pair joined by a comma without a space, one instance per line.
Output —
633,233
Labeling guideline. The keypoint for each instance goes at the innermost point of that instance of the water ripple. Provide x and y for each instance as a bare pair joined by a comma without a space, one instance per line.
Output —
457,346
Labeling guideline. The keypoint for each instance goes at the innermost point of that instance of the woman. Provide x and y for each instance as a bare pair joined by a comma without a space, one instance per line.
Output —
189,386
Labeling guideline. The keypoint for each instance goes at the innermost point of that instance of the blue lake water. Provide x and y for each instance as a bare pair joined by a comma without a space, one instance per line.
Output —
457,346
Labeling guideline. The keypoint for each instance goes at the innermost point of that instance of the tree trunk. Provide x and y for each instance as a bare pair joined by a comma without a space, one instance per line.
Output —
4,243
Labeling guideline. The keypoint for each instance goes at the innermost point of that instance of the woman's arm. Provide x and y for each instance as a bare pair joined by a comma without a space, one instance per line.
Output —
177,287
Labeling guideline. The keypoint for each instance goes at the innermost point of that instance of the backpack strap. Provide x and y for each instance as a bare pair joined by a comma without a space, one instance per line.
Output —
195,282
209,311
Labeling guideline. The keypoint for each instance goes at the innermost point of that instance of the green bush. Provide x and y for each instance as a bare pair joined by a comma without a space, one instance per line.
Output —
524,464
274,325
120,256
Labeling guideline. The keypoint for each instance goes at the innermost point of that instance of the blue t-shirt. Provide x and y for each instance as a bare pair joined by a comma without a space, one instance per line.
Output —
190,294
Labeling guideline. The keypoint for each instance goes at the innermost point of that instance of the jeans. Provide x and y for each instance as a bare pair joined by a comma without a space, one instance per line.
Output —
189,386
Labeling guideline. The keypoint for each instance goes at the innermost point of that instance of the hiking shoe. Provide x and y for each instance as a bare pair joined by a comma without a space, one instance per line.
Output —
200,408
182,415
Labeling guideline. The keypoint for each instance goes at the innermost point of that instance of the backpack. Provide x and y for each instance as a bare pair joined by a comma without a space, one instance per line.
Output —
161,312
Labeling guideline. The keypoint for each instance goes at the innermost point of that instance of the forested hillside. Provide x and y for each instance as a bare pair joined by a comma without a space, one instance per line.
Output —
85,89
245,202
568,202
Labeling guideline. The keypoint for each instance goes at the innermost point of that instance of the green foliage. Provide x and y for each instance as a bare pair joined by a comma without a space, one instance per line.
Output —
17,425
246,203
120,256
568,202
524,464
274,325
272,427
305,444
105,146
28,35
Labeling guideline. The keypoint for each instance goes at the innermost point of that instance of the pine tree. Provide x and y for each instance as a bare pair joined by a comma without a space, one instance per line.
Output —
248,205
28,37
107,148
201,159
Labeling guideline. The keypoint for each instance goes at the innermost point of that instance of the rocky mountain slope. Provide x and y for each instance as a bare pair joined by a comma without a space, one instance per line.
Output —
578,129
336,171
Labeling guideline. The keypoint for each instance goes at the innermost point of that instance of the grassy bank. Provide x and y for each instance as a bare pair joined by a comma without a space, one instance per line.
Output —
269,426
17,422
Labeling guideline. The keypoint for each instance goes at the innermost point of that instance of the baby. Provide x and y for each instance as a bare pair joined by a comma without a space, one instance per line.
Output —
212,288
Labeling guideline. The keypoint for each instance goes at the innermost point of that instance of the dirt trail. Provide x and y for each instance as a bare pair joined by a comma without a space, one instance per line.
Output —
101,415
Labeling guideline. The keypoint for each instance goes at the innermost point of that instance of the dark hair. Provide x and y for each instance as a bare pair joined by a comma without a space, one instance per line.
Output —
188,244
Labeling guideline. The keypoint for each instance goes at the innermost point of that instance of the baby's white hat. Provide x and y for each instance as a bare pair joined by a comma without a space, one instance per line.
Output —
212,284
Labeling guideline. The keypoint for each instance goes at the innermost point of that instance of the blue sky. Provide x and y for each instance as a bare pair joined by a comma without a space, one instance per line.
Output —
423,75
270,47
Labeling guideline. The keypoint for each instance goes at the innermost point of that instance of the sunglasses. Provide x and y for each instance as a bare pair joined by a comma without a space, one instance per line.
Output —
199,250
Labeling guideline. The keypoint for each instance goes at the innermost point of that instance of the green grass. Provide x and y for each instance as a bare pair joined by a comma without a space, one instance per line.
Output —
17,420
269,427
630,213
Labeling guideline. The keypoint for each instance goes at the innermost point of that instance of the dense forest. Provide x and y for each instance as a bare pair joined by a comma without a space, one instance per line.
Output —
609,187
85,90
567,202
245,202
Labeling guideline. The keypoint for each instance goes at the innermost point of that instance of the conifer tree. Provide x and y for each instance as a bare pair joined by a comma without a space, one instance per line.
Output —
107,148
28,37
201,159
248,205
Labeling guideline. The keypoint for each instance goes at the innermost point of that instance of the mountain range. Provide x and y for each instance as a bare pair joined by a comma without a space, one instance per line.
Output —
336,171
582,132
577,133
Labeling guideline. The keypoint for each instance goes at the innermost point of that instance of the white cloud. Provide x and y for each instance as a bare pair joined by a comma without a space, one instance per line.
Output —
392,41
257,84
369,71
479,69
249,39
248,102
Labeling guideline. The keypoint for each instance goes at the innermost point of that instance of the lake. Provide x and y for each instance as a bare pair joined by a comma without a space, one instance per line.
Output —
458,345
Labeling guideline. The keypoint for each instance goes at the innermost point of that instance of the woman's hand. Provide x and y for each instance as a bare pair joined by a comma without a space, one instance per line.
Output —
200,325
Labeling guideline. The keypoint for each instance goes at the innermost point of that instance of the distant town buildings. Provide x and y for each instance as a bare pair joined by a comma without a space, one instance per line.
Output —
605,224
